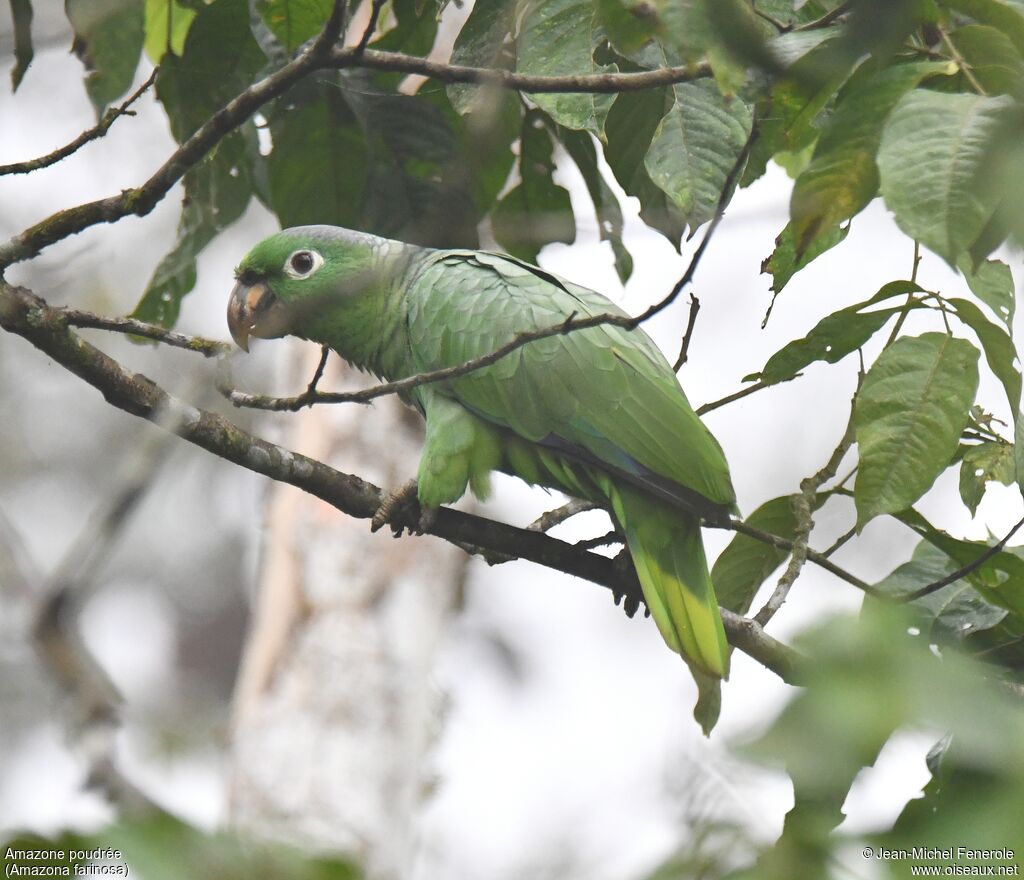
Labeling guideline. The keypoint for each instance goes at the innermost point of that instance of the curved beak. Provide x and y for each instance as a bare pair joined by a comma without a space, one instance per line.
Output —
253,310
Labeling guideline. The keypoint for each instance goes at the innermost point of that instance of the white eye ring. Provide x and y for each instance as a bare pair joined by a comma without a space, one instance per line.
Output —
302,263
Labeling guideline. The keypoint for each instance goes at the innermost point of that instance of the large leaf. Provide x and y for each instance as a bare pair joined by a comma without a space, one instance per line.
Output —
483,42
993,59
537,211
909,413
746,563
631,124
842,177
609,213
696,146
1006,16
833,337
21,18
217,191
219,58
933,151
992,283
167,25
294,21
559,37
1000,352
108,41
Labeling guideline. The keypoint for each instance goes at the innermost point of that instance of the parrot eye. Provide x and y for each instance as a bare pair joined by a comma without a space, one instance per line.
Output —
302,264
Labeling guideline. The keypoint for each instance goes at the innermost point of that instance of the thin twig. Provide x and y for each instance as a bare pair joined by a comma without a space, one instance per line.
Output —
736,395
92,134
371,27
840,541
81,318
964,570
604,540
547,521
684,348
961,62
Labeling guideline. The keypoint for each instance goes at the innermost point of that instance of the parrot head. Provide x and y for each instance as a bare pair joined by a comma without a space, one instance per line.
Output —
289,276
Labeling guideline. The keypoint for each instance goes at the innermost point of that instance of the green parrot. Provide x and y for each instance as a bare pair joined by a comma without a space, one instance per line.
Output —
597,414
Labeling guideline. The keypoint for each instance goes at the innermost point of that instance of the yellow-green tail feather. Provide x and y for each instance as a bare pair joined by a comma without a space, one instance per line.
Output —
669,558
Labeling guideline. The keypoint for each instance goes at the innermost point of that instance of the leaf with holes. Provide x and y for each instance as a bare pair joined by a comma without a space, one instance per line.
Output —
992,283
1000,352
908,417
981,465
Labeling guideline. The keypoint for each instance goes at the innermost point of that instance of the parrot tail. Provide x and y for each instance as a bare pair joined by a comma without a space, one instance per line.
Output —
669,558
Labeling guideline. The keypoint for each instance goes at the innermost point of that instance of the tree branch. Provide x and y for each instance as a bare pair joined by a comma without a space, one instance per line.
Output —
92,134
28,316
134,327
590,83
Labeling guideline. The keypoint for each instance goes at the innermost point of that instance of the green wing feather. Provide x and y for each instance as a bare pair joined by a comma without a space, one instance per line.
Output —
604,390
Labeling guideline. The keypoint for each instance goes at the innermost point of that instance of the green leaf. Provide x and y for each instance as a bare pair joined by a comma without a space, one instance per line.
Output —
992,283
167,26
784,263
833,337
217,192
21,18
992,57
746,563
220,58
108,41
631,124
842,177
483,42
933,151
629,24
1000,352
981,465
558,37
1006,16
609,213
537,211
908,417
696,146
294,22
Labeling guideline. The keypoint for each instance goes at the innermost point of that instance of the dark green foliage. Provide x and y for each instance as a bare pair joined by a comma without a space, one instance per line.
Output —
108,40
21,16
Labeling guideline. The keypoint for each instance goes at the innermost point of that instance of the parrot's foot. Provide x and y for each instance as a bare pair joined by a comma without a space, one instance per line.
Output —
401,507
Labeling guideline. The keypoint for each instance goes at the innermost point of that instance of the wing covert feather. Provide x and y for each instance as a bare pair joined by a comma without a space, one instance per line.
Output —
605,389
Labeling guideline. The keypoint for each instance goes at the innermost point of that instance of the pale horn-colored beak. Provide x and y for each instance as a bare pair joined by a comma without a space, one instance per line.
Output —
253,310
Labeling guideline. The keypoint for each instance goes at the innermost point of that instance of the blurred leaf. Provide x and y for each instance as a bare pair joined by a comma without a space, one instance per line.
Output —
294,22
609,214
629,24
319,164
981,465
108,41
537,211
992,57
834,336
21,18
1000,352
909,413
559,37
217,191
783,263
219,59
746,563
167,26
696,146
413,33
484,41
1006,16
631,124
933,149
842,177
